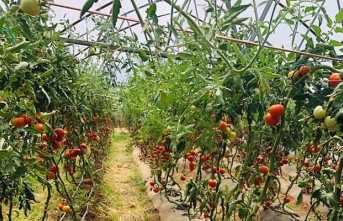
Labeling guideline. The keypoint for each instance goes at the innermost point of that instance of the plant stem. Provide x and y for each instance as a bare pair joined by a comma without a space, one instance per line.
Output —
46,206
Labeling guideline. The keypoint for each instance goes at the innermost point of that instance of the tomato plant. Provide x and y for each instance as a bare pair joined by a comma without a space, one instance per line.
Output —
234,119
46,94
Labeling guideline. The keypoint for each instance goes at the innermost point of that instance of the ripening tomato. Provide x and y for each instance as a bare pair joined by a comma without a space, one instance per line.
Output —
304,70
83,146
222,126
264,170
270,120
334,79
66,209
277,110
60,206
222,171
39,127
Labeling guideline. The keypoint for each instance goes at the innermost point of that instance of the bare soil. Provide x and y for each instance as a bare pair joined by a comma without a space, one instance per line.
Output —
123,191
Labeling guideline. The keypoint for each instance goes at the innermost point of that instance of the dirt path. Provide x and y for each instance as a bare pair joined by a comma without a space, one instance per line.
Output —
124,197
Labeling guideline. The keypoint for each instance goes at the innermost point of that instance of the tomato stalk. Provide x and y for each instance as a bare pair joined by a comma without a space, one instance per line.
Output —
47,201
318,67
334,215
250,148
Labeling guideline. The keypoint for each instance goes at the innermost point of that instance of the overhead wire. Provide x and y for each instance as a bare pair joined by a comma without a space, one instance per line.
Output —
221,37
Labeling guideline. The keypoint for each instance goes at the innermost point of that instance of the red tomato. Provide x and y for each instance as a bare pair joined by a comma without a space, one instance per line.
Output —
214,169
317,167
156,190
258,180
183,177
264,170
190,158
206,215
29,120
59,132
222,171
152,183
270,120
277,110
18,122
88,182
51,176
45,137
212,183
203,158
53,168
288,199
191,166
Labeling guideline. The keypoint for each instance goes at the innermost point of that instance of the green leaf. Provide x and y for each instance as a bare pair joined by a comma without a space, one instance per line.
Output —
335,43
115,12
47,73
339,30
6,153
317,30
331,198
20,171
300,199
2,21
288,2
339,16
21,66
143,55
303,184
151,11
327,17
86,7
270,75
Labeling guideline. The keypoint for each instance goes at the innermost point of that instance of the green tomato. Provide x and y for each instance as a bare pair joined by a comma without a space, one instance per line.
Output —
319,112
91,51
232,135
228,131
331,124
193,108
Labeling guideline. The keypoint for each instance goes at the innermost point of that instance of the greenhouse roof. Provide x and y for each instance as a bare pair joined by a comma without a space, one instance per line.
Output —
85,29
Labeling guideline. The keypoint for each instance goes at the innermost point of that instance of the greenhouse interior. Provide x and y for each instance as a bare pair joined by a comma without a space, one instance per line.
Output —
171,110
